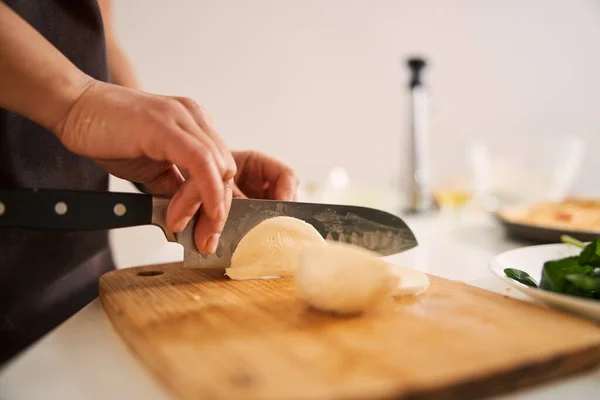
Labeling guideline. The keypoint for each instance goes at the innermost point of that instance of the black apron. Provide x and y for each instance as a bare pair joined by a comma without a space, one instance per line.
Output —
45,277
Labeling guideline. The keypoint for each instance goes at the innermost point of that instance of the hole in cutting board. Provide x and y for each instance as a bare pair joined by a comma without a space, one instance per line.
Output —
150,273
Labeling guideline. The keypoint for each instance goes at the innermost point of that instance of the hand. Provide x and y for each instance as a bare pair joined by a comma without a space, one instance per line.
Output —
262,177
144,138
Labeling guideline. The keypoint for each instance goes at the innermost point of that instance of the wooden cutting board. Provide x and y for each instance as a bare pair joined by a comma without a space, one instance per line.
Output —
207,337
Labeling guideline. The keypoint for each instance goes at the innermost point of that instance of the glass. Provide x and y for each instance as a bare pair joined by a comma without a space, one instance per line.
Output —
526,171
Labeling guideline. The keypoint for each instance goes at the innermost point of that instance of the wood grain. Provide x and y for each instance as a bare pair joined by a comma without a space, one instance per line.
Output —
205,336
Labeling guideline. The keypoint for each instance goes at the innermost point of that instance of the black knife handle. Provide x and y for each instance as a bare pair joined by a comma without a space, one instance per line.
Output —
73,210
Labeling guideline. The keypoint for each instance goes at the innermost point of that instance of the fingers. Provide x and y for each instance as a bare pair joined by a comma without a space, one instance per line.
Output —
257,169
237,193
284,180
205,185
205,162
208,231
205,127
161,178
183,206
286,187
187,122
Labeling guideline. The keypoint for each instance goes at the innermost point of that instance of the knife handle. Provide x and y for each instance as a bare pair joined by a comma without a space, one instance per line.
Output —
73,210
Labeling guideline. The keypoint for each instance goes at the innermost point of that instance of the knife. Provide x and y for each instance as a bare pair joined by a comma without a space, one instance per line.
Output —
376,230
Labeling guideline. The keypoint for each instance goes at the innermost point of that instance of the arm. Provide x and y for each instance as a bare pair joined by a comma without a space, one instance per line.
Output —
121,70
36,80
132,134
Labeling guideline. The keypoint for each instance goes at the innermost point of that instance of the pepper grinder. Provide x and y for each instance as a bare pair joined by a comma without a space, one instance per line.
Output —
419,191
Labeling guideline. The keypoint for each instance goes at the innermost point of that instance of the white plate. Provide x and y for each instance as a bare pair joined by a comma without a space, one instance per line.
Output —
531,260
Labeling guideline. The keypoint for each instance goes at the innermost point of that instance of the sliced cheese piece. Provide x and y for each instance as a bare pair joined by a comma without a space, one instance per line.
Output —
270,249
255,272
412,282
343,279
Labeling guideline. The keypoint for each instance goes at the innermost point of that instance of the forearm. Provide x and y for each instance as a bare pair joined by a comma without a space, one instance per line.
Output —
121,71
36,80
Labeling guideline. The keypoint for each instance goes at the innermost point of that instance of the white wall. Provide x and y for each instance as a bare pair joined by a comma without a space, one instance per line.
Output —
323,83
320,83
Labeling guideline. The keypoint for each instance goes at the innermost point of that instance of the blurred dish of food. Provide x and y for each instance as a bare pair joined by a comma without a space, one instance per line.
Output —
546,221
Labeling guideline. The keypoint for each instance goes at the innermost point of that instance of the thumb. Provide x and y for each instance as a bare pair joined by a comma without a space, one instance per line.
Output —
165,183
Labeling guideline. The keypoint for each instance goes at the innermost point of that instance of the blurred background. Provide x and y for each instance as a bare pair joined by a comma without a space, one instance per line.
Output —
514,87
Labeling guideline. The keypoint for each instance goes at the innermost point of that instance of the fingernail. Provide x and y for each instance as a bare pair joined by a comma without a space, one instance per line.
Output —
212,243
180,226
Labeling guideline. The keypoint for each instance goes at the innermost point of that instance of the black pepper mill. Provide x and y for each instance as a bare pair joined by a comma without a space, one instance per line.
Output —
419,191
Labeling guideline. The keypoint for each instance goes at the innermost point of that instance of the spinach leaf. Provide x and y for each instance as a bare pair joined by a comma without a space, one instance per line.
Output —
579,285
520,276
588,285
590,255
577,275
553,273
586,282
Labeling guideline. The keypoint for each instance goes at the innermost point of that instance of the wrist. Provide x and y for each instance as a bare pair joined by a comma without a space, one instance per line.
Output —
67,96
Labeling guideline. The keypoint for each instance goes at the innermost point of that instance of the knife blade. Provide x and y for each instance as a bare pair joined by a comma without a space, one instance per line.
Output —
376,230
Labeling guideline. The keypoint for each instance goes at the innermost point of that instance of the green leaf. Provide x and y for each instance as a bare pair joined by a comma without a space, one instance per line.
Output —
586,282
577,275
590,255
520,276
579,291
584,285
553,273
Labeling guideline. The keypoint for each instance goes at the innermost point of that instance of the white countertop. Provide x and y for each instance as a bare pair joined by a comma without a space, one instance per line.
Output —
85,358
